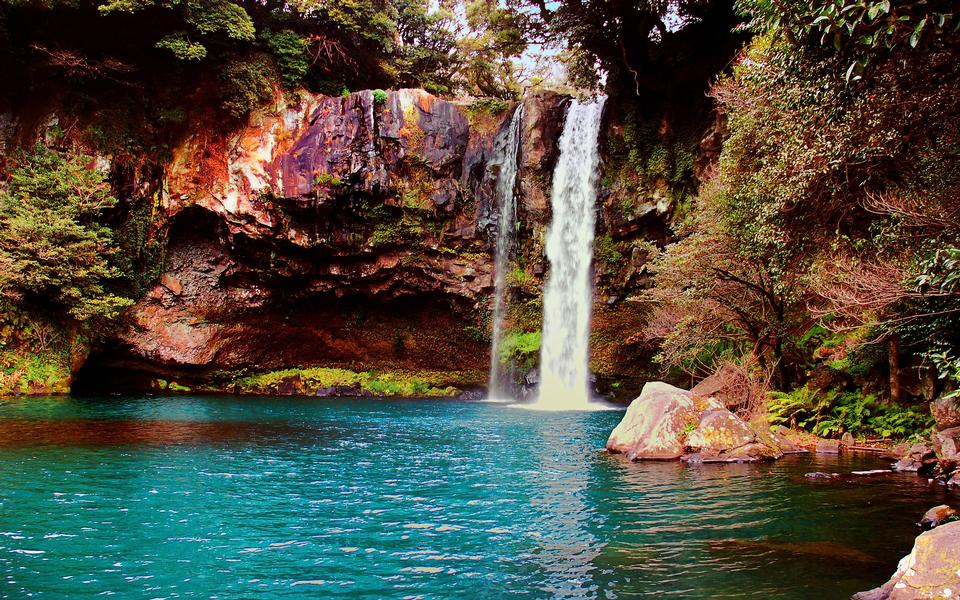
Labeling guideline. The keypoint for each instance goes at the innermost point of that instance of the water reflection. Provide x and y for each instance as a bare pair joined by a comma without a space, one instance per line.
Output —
287,497
563,530
18,433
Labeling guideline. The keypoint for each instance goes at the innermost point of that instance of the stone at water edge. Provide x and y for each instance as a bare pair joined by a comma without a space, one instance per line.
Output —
946,444
720,435
654,425
847,440
667,423
936,516
919,458
931,570
828,447
774,439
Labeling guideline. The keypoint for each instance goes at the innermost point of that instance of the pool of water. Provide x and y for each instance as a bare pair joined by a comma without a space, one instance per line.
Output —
151,497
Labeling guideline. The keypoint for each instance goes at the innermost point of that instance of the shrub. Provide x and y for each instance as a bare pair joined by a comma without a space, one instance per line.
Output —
521,349
290,52
831,413
55,251
379,96
245,84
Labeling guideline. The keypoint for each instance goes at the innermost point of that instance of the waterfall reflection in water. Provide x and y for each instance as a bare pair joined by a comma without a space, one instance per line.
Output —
286,497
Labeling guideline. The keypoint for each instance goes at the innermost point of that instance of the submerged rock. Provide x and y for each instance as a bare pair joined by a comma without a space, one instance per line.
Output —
822,475
931,570
667,423
826,551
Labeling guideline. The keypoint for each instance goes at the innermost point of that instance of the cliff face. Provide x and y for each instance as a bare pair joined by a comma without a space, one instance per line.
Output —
338,231
355,232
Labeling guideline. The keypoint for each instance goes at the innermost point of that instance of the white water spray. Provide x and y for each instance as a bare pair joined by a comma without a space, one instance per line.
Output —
565,344
505,153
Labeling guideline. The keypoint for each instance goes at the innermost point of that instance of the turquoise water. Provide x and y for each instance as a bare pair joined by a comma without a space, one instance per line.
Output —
144,497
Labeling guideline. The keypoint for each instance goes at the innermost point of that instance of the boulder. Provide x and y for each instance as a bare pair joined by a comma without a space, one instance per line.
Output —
666,423
848,440
931,570
946,444
720,435
946,413
775,439
919,458
655,423
937,515
289,386
719,429
828,447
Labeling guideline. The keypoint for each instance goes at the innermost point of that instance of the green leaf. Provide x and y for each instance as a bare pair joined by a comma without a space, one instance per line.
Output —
917,32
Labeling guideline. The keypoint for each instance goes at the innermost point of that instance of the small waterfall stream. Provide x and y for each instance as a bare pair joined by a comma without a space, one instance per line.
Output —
564,350
506,151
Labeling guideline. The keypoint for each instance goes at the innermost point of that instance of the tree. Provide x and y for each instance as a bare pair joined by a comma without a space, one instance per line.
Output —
55,251
715,303
837,189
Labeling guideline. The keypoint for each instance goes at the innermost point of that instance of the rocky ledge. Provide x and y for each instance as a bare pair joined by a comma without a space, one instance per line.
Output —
668,423
931,570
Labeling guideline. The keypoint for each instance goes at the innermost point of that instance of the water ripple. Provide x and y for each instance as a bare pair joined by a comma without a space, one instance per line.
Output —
201,497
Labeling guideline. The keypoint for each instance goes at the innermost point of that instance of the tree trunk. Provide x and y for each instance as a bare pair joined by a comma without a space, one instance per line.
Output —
893,351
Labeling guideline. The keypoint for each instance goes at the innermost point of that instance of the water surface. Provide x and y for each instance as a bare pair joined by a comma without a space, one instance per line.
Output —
146,497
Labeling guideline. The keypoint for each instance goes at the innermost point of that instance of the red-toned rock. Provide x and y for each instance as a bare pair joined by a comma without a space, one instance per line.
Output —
667,423
930,571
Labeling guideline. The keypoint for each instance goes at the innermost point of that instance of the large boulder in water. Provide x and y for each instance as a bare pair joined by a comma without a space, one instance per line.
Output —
655,424
931,570
666,423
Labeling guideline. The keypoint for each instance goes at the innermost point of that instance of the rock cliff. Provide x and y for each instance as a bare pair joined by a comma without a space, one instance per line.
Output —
351,232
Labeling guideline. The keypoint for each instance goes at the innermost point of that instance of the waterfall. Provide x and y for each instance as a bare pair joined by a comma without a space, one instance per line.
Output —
564,350
506,150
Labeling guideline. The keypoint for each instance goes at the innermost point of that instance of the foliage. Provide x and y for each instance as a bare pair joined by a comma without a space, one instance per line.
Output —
402,384
947,365
35,353
835,204
832,413
606,254
379,96
185,49
55,251
289,49
476,334
710,292
856,28
244,84
520,349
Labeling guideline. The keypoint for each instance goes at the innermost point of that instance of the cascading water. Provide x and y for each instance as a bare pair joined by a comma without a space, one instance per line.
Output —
506,151
564,350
